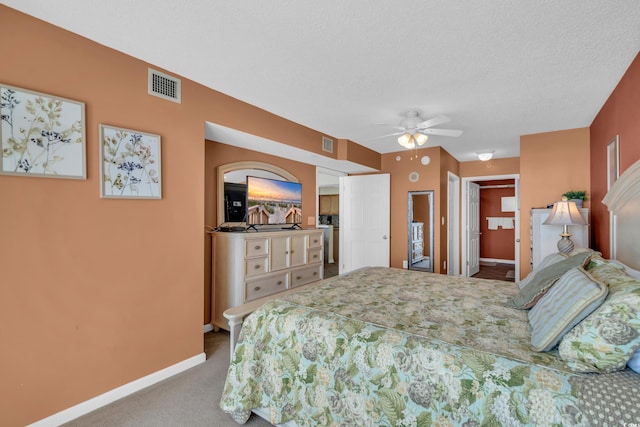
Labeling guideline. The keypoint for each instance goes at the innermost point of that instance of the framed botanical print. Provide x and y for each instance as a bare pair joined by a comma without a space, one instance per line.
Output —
130,164
41,135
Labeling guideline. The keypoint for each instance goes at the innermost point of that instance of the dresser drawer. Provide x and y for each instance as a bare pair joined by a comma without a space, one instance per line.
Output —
315,240
256,266
256,247
314,255
306,275
264,286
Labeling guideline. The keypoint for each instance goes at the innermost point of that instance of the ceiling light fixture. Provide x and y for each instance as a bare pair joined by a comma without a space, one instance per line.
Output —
410,141
485,156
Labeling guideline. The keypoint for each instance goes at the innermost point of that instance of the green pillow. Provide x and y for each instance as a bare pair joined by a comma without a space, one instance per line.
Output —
542,280
606,339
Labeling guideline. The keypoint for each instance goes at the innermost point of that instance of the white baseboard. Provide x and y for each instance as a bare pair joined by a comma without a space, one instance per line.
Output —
118,393
499,261
207,328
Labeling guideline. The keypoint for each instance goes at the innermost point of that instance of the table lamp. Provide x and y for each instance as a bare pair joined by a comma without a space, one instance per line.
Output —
565,213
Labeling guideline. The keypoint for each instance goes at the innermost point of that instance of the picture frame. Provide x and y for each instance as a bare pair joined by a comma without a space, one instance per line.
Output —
613,161
41,135
130,164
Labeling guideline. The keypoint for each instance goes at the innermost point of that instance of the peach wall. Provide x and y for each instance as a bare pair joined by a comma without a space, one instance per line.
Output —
620,115
495,244
551,163
507,166
112,289
400,186
217,154
447,164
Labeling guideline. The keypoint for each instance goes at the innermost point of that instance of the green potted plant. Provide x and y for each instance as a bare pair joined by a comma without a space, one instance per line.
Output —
576,196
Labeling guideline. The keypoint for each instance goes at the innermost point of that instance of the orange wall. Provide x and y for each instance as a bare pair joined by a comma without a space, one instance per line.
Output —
508,166
620,115
551,163
429,179
495,244
112,289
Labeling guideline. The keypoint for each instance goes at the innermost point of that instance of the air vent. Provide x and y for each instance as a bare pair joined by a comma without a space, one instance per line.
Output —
327,144
164,86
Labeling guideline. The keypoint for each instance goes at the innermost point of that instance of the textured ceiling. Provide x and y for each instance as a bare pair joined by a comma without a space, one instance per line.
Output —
498,68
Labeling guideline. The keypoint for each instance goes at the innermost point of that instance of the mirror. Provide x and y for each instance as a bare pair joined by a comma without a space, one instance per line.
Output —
236,173
420,230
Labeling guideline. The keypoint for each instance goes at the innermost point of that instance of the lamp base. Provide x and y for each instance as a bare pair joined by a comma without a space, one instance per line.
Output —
565,245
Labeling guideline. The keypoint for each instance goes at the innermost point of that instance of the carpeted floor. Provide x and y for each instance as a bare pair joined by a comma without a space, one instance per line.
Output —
189,399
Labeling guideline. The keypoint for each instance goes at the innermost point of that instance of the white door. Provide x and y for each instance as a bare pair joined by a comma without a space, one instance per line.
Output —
453,229
473,224
364,221
517,229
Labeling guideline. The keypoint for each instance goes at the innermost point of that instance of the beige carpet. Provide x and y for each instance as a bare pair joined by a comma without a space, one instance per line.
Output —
189,399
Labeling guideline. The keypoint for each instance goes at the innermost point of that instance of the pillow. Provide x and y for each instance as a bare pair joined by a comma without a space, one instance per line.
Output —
542,280
606,339
634,362
575,295
546,261
630,271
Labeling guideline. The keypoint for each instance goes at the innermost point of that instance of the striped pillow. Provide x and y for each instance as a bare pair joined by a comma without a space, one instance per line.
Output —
573,297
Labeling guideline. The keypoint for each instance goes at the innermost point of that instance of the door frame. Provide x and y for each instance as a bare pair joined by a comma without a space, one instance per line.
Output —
453,229
465,218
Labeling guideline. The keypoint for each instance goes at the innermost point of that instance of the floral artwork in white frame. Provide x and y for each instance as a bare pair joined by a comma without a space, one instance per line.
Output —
130,165
41,135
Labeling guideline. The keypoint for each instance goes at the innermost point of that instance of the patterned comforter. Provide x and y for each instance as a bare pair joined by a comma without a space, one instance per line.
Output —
391,347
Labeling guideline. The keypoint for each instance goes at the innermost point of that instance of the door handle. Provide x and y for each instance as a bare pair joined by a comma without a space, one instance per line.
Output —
384,237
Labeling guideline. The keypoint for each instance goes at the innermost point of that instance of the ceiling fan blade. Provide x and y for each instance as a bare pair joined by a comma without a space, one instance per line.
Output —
438,120
443,132
384,136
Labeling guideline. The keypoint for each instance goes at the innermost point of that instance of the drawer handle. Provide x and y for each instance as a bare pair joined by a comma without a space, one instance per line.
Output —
291,251
315,241
286,252
257,247
315,273
257,288
257,266
315,256
279,282
298,277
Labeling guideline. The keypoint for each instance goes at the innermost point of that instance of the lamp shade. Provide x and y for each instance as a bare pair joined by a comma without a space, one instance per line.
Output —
565,212
420,138
406,140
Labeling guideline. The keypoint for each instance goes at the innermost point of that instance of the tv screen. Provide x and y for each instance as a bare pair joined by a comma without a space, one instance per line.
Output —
271,201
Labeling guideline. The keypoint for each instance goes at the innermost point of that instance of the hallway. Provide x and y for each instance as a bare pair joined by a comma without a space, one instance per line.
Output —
496,271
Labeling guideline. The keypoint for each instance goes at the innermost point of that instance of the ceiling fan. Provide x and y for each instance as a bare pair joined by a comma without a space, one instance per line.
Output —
414,129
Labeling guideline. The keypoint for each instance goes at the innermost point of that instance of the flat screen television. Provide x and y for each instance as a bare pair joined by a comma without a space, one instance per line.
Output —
273,202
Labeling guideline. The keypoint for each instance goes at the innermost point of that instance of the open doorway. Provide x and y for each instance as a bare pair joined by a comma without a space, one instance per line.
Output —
328,216
491,227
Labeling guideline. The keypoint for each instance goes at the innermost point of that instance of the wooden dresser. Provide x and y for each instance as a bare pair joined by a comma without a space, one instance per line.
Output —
251,265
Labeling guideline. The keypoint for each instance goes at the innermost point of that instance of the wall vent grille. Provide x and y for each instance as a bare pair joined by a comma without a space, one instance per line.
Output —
164,86
327,144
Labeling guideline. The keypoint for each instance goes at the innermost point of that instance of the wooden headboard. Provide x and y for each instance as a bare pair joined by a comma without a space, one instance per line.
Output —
623,202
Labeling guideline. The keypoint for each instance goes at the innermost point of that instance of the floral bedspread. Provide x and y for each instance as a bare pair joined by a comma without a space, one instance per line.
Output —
391,347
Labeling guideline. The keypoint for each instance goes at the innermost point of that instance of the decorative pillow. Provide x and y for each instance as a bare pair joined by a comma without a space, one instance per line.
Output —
546,261
630,271
575,295
542,280
607,338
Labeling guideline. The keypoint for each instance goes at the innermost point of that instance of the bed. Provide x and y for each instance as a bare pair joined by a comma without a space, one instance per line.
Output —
384,346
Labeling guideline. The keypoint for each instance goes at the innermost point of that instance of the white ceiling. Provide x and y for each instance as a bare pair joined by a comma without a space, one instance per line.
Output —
498,68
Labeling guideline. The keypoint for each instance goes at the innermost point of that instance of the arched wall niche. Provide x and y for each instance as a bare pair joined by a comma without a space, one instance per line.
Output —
242,169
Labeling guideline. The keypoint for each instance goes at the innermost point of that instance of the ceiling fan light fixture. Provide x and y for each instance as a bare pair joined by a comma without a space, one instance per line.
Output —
485,156
406,140
420,138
